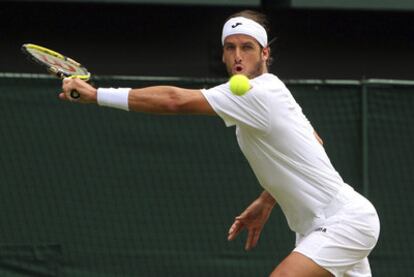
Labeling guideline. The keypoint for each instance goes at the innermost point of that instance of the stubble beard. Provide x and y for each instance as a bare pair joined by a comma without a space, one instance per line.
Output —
258,69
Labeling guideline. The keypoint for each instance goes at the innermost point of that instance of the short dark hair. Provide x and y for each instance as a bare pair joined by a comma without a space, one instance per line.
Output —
259,18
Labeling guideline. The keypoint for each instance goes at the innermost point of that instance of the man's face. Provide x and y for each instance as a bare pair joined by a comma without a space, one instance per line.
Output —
242,54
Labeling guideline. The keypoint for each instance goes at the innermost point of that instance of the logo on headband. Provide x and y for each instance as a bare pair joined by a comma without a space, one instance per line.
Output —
237,24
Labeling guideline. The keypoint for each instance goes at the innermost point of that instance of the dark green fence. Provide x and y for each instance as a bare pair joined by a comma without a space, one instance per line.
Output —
90,191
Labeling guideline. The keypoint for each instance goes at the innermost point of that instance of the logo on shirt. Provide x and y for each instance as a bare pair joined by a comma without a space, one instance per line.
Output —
237,24
321,229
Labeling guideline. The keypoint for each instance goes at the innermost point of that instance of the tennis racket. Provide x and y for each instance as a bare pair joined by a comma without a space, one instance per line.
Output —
56,64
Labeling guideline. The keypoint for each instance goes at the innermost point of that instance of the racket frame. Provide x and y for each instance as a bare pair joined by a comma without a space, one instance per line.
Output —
53,69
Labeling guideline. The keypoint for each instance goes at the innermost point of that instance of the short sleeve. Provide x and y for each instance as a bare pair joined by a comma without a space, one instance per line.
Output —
251,109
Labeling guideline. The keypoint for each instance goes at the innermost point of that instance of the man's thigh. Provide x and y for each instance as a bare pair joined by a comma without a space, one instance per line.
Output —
298,265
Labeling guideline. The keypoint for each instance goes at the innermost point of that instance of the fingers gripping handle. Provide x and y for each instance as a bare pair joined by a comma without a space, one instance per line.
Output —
74,94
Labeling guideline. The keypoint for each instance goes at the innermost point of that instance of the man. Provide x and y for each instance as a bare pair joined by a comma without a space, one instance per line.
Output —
336,227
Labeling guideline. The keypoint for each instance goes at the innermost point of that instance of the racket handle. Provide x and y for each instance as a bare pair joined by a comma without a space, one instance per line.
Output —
74,94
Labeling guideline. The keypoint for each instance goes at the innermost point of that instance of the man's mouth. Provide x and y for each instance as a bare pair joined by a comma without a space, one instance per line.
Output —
238,68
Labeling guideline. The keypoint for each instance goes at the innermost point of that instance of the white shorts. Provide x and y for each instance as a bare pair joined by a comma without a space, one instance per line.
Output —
342,244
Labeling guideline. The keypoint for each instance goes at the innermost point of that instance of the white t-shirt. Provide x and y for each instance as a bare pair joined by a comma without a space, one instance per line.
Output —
279,144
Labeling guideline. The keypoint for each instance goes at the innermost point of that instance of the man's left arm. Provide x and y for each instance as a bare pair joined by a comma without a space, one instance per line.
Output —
253,219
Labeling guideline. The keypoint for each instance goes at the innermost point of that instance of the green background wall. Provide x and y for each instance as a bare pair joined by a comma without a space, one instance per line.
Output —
90,191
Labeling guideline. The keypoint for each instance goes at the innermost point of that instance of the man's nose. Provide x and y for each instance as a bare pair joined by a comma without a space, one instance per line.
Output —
237,55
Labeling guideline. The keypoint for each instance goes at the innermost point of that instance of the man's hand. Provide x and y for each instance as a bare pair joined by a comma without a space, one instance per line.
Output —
318,138
253,219
86,91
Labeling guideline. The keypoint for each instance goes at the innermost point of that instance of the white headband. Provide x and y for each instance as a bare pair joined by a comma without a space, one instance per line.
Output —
245,26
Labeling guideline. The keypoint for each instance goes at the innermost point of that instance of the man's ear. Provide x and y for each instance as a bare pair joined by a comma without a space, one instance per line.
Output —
266,53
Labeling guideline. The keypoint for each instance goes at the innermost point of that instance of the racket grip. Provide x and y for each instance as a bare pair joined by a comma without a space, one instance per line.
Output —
74,94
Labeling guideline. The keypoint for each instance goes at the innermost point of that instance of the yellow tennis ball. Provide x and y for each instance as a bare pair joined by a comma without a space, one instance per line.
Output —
239,84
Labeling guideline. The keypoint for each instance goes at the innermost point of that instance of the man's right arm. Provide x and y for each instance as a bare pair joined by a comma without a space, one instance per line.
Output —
169,100
156,99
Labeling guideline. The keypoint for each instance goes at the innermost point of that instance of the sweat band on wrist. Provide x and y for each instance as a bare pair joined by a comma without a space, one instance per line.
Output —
113,97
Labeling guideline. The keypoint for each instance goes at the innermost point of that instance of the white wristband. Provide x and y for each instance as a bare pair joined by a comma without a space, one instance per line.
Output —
113,97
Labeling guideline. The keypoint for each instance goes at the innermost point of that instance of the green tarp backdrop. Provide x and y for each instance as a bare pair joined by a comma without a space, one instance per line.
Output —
398,5
90,191
401,5
250,3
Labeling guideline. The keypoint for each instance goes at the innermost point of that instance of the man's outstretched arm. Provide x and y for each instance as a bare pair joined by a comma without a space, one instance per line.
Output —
157,99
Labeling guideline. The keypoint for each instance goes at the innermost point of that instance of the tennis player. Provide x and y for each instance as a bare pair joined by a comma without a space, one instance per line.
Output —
336,227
